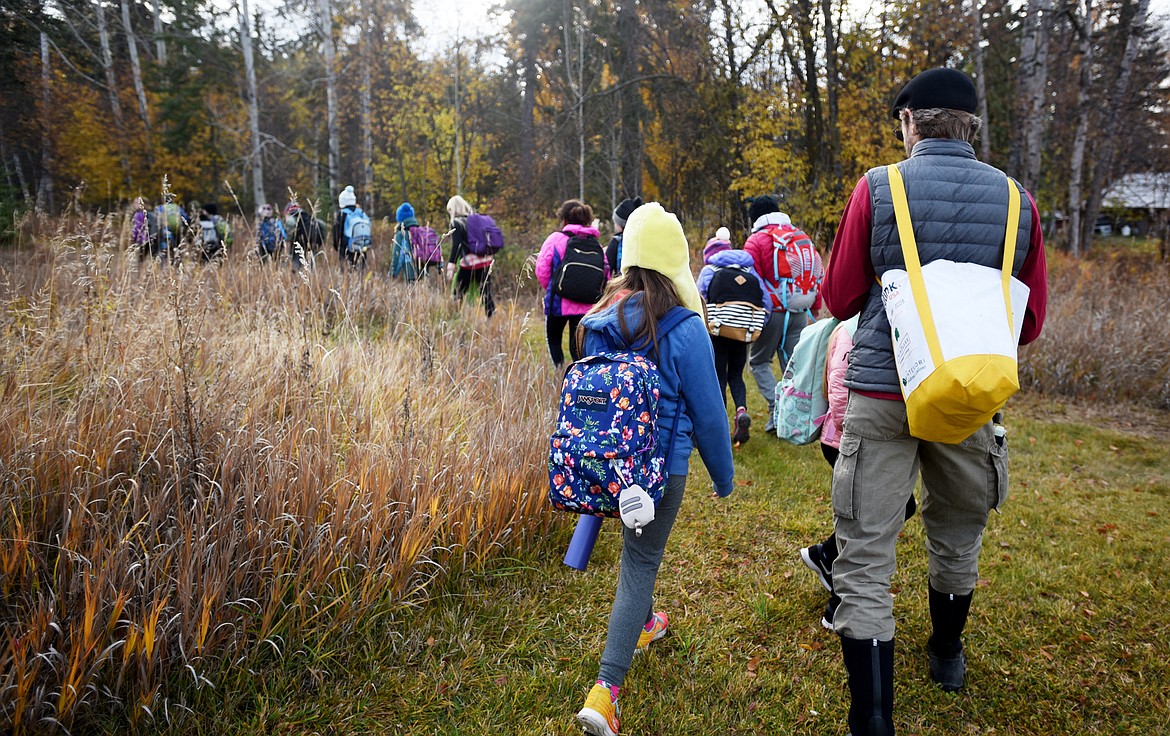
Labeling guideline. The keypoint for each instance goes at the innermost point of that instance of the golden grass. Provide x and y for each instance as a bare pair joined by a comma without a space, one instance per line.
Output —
205,466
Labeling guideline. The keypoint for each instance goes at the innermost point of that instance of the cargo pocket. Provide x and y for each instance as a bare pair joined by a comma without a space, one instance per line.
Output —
999,474
845,478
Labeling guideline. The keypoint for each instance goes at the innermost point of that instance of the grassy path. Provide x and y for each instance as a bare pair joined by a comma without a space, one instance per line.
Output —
1070,631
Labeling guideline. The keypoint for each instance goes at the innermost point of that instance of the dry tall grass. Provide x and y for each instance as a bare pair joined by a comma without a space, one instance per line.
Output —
204,467
1107,335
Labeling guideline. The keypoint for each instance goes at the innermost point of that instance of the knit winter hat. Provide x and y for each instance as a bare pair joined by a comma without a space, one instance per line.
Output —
404,213
764,204
347,198
944,88
624,209
723,234
715,245
654,240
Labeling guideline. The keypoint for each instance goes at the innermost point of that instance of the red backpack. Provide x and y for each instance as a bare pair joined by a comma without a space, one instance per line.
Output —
797,269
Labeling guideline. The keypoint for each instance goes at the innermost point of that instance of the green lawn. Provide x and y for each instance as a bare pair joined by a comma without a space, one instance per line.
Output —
1069,634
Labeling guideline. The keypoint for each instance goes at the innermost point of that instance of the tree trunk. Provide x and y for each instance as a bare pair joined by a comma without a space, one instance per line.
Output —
832,144
257,158
1084,28
325,19
630,27
528,121
139,88
1107,151
366,122
160,43
112,90
45,187
1034,84
458,125
980,80
575,77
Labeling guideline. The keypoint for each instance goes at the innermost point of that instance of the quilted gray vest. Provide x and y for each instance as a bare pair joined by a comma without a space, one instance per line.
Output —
959,210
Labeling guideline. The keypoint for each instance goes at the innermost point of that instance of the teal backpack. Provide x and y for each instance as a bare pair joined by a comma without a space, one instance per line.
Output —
801,400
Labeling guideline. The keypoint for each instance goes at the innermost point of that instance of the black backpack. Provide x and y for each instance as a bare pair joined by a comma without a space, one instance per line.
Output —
735,304
580,273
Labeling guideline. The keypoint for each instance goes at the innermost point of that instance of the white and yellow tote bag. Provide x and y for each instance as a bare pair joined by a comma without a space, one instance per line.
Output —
955,329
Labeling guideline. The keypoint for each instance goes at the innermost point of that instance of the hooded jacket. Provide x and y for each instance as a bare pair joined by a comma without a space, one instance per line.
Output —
555,304
686,366
730,258
759,245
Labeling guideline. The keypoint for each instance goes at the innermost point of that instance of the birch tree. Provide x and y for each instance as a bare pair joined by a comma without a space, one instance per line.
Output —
107,59
160,43
980,80
1033,89
256,159
45,187
325,27
139,87
1111,122
574,29
366,122
1084,29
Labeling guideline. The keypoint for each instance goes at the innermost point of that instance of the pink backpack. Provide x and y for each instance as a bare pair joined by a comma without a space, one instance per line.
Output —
424,243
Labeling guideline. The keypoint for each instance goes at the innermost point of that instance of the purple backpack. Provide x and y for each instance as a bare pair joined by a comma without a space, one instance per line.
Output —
424,243
484,238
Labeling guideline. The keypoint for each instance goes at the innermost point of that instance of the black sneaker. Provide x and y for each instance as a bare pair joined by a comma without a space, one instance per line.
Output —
743,423
830,610
815,559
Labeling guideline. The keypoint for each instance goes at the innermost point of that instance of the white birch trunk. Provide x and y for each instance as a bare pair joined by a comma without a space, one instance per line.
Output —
255,159
139,87
458,126
1035,83
160,44
367,123
576,80
980,81
112,89
1077,164
325,19
45,187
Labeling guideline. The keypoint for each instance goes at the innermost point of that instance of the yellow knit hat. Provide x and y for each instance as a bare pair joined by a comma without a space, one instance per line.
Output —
653,239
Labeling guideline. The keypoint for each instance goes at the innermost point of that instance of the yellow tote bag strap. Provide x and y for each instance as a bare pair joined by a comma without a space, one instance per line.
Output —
1009,251
913,265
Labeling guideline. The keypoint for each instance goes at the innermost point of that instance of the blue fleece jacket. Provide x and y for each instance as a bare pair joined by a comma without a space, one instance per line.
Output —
730,258
686,367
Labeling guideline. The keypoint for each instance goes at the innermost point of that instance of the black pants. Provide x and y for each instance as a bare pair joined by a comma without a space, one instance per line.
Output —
554,329
465,277
730,358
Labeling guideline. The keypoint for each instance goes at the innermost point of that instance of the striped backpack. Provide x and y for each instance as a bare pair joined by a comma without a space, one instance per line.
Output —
735,304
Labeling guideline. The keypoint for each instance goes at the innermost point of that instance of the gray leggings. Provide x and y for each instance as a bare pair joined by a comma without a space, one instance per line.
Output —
634,601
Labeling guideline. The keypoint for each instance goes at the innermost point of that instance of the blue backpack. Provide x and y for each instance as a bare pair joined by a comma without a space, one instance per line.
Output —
357,231
606,434
269,229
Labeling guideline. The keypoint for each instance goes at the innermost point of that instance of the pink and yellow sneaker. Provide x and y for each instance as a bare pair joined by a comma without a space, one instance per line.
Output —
599,715
654,630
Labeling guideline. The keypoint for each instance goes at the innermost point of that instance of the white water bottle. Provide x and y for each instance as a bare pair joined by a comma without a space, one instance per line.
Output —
636,507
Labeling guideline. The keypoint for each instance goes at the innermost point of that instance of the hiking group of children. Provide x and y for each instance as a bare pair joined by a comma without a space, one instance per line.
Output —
416,249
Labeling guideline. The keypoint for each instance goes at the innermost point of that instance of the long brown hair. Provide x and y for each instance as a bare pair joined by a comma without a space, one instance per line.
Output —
658,297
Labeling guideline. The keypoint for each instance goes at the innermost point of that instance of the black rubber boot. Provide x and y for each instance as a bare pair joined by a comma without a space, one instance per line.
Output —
948,617
870,665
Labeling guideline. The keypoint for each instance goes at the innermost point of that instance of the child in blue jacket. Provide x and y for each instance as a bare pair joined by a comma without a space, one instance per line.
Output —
655,278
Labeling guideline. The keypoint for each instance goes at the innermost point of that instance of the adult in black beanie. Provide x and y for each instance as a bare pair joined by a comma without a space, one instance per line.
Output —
613,251
961,210
765,204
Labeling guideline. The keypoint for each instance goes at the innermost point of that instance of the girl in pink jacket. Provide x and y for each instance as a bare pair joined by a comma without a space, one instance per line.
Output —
585,269
819,557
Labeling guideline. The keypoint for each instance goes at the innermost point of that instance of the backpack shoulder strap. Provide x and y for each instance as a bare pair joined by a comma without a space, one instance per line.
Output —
675,317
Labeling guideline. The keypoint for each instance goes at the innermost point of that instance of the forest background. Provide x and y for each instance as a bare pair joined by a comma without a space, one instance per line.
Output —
697,105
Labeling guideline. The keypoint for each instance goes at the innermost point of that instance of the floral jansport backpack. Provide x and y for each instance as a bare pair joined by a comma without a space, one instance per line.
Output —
606,434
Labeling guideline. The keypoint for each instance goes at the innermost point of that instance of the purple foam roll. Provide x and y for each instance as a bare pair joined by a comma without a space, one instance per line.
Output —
581,545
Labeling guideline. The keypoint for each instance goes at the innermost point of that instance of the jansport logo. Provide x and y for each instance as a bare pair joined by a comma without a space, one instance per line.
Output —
592,400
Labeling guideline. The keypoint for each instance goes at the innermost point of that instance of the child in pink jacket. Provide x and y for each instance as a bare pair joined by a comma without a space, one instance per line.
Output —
819,557
576,220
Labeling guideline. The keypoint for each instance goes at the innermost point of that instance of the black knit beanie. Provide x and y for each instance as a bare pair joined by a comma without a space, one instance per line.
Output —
624,209
762,205
948,89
